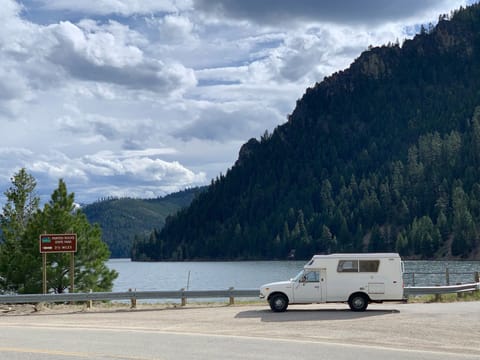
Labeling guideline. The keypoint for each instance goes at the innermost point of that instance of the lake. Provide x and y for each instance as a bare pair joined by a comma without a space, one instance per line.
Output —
145,276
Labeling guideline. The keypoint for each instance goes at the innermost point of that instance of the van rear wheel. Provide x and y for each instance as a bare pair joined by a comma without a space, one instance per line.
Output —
278,303
358,302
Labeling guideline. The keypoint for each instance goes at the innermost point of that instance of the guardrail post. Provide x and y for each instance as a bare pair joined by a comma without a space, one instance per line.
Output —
184,298
438,296
133,300
477,280
232,299
447,276
90,302
460,293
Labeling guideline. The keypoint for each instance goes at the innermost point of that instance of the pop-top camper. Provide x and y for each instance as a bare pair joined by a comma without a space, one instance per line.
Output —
357,279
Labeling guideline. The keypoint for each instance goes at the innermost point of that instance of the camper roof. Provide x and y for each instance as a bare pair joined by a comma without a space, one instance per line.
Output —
357,256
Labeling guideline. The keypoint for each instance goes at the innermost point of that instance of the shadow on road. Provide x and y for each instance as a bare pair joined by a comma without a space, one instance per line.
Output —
311,315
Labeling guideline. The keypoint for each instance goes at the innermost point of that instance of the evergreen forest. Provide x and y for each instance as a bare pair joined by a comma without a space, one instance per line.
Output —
123,219
382,156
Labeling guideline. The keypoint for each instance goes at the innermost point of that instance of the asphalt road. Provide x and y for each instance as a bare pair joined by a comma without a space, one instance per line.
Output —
395,331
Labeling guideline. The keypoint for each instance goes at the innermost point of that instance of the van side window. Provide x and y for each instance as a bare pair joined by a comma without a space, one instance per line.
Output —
347,266
369,265
358,265
311,276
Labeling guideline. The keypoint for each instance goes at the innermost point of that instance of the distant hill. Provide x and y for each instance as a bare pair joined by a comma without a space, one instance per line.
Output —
383,156
122,219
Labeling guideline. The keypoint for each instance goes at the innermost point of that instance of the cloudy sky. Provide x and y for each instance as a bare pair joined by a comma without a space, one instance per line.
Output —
144,97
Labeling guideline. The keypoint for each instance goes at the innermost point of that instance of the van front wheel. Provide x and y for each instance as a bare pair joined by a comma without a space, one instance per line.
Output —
278,303
358,302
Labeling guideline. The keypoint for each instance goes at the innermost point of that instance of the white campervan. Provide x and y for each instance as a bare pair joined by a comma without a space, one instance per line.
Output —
358,279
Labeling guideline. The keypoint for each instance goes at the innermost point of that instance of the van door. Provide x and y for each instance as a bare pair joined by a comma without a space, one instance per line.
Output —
307,289
323,285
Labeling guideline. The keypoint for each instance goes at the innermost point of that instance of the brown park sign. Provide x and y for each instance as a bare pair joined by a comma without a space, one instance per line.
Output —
58,243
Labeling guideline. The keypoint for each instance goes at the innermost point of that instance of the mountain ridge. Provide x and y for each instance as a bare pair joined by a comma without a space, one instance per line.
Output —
121,219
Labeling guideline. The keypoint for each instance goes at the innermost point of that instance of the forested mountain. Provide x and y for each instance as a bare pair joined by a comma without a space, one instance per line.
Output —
383,156
123,219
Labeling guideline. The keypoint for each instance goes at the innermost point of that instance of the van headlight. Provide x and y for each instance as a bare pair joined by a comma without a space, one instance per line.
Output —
264,292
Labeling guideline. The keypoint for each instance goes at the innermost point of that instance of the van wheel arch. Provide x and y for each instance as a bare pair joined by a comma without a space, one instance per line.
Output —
278,302
358,301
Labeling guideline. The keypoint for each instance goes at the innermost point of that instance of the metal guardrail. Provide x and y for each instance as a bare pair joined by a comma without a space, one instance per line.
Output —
129,295
197,294
438,290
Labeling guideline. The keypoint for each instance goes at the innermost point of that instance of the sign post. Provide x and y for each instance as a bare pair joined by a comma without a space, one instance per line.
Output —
44,262
58,243
72,271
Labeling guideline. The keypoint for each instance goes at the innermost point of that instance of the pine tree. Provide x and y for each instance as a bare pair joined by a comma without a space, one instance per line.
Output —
401,245
22,203
59,215
464,228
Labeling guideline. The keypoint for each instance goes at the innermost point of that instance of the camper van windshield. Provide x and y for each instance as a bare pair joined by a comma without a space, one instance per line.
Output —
299,276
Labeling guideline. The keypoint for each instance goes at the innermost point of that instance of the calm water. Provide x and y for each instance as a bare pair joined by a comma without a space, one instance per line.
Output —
144,276
428,273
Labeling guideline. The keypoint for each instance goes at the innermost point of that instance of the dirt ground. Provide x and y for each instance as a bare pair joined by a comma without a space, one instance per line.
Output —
104,307
439,327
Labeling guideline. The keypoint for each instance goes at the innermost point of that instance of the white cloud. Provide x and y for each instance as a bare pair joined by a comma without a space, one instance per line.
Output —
122,7
13,90
95,54
221,124
280,12
107,128
101,48
175,29
130,173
